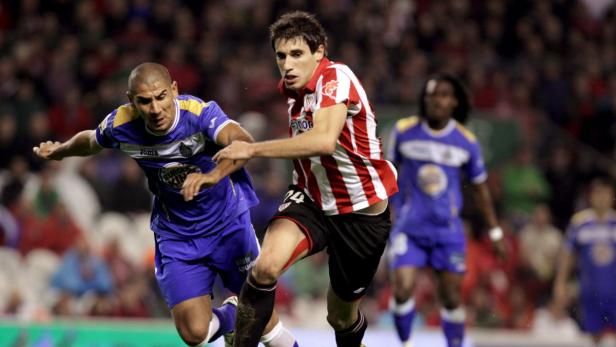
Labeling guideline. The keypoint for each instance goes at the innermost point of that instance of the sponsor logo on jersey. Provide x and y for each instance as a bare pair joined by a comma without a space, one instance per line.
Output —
432,179
301,125
148,152
602,253
174,174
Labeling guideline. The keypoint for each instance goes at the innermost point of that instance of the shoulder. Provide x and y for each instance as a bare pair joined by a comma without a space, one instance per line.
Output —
466,133
123,114
193,104
406,123
338,70
582,217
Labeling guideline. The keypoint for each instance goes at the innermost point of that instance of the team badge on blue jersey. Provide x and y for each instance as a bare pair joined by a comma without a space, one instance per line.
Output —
174,174
185,151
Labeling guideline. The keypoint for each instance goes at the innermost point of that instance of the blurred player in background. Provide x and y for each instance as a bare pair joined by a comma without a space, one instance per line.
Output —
341,184
590,247
200,216
433,151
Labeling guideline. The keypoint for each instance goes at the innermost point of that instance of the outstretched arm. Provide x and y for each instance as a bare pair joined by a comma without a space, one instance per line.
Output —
195,181
81,145
320,140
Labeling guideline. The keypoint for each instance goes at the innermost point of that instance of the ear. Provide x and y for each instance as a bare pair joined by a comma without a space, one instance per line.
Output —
320,53
174,89
129,96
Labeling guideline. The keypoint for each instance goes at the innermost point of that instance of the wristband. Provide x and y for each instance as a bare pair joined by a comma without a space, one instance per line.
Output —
496,233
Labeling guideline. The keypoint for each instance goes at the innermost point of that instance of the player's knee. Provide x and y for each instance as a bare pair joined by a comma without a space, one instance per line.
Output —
338,321
266,271
193,333
403,291
451,299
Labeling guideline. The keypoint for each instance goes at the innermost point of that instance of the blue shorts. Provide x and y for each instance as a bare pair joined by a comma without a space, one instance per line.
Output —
187,269
441,254
598,314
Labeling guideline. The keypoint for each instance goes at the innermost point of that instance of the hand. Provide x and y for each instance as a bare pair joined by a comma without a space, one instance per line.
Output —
48,150
194,182
237,150
561,298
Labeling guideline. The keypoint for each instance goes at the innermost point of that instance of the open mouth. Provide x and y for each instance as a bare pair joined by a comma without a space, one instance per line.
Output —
290,79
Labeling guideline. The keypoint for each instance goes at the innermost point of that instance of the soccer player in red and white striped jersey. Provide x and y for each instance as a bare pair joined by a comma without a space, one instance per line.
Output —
341,183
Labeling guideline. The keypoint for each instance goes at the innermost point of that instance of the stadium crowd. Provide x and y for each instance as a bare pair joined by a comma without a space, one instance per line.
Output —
75,236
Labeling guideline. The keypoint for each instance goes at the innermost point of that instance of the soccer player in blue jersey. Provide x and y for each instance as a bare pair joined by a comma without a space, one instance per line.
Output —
200,214
590,246
433,151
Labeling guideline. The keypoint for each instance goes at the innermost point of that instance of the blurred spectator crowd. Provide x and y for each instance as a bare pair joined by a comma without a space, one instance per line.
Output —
74,235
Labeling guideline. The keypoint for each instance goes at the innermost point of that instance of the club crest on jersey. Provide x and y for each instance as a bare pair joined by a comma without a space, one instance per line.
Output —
185,151
174,174
329,88
309,103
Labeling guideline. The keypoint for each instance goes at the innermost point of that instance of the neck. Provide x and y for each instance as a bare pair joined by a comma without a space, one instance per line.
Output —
602,213
437,124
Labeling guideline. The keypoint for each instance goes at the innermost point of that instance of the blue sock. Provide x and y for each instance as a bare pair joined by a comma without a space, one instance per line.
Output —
453,326
404,314
226,317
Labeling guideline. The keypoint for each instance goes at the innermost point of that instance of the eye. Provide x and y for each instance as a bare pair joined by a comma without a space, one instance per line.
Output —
280,56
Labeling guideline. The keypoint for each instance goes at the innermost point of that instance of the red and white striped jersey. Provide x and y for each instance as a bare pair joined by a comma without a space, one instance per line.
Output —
356,175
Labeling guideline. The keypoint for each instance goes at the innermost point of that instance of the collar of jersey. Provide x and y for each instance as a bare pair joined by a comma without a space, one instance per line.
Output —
439,133
173,126
310,86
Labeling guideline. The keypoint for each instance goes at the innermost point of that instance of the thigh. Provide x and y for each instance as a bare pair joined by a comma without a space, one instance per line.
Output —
297,230
172,276
355,246
405,252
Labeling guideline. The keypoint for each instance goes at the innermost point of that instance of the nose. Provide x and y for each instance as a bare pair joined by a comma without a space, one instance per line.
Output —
286,65
155,108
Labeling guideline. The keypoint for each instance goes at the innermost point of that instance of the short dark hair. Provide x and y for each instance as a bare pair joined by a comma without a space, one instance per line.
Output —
460,113
299,24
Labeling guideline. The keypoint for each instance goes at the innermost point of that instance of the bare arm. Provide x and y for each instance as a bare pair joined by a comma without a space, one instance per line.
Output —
320,140
195,181
483,199
81,145
563,271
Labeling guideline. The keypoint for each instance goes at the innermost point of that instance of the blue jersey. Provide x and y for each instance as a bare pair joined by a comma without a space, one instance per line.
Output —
187,147
594,243
430,163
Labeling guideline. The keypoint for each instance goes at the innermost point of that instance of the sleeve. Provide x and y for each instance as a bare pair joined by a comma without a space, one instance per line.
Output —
336,88
104,132
213,119
475,168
